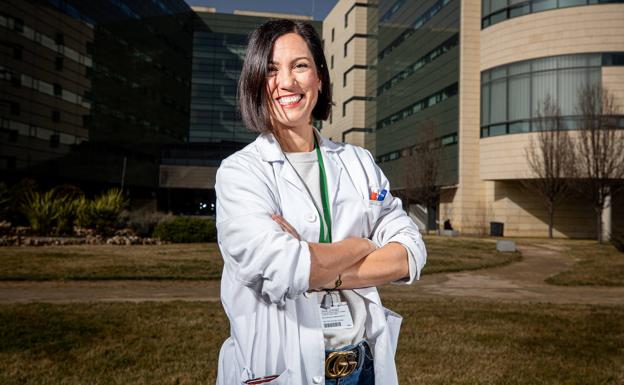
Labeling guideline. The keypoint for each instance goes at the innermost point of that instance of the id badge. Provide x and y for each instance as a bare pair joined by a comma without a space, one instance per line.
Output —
335,314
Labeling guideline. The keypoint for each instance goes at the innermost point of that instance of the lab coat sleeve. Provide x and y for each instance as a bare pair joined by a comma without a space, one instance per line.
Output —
394,225
262,256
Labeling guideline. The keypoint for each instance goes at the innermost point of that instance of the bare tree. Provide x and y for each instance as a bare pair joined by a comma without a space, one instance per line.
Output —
421,171
600,148
550,158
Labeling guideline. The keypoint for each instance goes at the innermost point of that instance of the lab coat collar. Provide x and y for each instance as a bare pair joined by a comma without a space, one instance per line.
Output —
270,150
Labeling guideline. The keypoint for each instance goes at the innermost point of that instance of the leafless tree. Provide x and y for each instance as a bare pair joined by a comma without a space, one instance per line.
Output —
550,158
600,148
421,171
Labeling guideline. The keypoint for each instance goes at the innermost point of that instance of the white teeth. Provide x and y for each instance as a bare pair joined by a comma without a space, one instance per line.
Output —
289,99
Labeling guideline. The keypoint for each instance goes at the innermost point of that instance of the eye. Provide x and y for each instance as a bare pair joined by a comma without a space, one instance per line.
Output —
301,66
271,71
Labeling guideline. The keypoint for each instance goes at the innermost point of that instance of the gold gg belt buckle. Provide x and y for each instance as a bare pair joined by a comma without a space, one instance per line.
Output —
340,364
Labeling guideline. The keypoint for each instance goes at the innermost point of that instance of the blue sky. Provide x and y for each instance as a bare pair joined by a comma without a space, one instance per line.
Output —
318,8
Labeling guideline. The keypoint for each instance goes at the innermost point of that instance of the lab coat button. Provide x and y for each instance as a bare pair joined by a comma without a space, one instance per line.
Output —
317,379
310,217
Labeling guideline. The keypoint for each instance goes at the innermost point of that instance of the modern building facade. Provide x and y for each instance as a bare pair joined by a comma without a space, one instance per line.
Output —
471,75
187,171
90,91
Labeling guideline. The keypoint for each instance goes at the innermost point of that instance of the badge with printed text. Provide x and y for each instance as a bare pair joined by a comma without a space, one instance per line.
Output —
334,313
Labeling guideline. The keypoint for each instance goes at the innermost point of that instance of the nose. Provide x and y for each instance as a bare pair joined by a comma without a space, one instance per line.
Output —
285,79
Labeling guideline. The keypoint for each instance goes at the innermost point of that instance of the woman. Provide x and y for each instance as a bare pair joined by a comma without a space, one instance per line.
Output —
307,228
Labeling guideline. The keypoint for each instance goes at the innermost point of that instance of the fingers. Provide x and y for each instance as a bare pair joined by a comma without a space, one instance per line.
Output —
285,225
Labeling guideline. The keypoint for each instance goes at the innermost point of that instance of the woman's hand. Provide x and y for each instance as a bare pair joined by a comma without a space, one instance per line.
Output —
286,226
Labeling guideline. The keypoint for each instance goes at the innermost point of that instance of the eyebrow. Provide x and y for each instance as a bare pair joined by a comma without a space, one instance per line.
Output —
295,59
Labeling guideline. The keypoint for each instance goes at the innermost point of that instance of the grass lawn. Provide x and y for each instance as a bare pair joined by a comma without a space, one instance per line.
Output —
601,265
447,254
198,261
182,261
442,341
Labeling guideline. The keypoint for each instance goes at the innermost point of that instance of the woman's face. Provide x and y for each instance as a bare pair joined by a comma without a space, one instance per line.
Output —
292,81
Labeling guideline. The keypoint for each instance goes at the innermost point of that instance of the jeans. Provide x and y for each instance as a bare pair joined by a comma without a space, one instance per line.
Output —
365,372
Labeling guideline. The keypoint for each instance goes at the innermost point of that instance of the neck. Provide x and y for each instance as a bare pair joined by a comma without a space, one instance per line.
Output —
293,139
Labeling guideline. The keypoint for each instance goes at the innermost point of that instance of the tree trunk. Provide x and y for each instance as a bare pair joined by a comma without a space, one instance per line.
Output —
551,218
598,210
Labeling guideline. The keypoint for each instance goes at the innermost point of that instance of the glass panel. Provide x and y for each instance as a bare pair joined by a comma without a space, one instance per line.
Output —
549,63
519,68
485,132
520,10
498,17
543,83
498,4
485,7
570,82
498,73
571,3
519,97
519,127
500,129
571,61
543,5
485,105
498,101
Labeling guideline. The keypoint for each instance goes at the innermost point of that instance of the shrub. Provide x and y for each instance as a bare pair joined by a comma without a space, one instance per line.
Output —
103,212
41,210
144,222
187,230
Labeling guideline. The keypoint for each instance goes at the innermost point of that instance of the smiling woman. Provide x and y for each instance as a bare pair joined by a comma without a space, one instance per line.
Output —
307,228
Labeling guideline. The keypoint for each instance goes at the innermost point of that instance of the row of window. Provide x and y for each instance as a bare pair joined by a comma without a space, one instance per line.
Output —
444,141
54,136
495,11
422,20
420,63
420,105
511,95
535,125
55,44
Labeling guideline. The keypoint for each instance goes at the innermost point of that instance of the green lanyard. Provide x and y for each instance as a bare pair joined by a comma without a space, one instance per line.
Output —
326,217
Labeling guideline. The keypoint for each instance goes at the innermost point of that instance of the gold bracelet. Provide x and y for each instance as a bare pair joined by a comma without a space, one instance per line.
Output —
338,282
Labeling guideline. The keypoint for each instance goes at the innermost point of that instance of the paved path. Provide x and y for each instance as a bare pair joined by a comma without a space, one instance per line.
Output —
519,282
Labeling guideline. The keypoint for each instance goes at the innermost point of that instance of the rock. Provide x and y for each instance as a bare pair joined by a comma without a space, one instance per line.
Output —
506,246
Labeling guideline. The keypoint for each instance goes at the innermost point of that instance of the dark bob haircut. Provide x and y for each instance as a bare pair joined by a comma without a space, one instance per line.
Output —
252,94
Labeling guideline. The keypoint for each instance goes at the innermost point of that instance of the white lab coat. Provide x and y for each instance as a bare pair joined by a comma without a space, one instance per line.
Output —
275,328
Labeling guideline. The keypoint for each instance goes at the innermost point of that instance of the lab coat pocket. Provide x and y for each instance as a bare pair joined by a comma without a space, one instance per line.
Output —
281,379
373,212
393,324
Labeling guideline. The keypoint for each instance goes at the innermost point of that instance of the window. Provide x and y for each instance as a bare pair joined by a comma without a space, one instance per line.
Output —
332,62
18,25
346,24
55,140
15,108
345,49
333,34
58,63
59,39
17,52
58,90
512,95
16,79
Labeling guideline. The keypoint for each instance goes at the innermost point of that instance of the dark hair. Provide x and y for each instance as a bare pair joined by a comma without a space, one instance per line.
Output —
252,95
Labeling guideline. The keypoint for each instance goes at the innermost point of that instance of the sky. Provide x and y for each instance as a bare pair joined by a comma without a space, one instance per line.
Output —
318,8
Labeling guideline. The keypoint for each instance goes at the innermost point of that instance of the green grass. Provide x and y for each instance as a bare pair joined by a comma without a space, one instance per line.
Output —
449,254
442,342
597,264
197,261
105,262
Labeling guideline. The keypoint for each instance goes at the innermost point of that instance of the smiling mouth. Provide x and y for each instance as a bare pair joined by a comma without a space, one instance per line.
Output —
290,100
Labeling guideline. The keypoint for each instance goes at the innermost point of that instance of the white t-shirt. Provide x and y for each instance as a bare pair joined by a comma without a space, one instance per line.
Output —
306,165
